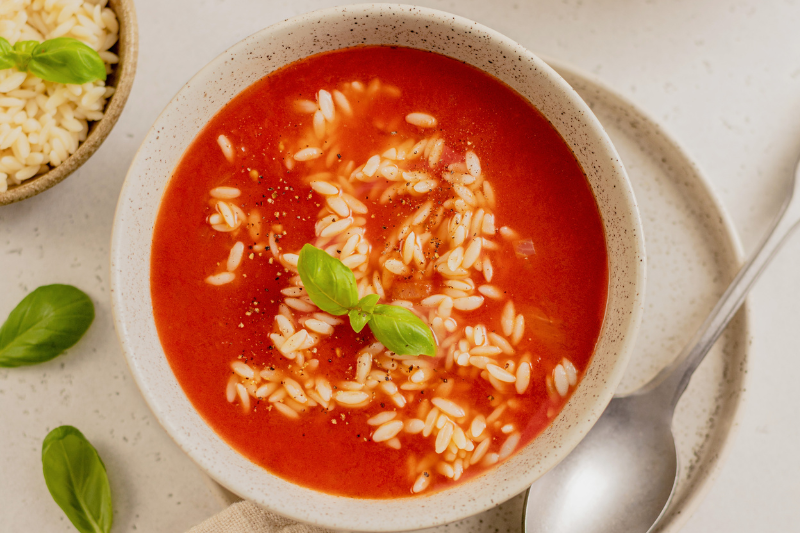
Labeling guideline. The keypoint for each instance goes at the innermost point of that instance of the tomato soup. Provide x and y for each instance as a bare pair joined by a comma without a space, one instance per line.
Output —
443,192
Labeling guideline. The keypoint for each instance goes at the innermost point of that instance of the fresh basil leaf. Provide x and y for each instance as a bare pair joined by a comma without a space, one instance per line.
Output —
363,311
77,480
367,303
361,314
22,53
332,287
25,47
358,319
45,323
401,331
329,283
6,54
66,60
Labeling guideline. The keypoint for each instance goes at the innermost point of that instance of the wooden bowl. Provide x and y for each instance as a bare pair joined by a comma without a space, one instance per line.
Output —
127,48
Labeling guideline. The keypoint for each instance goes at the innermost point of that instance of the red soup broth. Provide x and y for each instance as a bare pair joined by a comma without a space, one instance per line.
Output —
247,178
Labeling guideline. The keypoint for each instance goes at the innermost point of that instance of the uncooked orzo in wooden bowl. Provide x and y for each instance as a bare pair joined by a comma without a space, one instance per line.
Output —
48,129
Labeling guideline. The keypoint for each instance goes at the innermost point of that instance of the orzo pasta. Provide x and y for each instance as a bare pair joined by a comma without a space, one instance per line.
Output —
43,122
444,192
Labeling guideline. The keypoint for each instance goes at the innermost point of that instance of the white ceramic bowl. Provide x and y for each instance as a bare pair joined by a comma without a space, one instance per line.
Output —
286,42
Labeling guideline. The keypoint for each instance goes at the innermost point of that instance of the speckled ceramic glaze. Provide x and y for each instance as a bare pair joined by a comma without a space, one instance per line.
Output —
257,56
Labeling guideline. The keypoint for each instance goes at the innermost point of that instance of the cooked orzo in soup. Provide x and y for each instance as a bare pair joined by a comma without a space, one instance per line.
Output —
445,192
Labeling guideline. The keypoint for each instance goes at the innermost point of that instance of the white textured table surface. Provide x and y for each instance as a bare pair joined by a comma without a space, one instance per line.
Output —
722,76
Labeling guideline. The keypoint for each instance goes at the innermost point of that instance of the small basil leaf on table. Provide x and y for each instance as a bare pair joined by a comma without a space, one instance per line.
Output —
45,323
6,54
77,480
401,331
328,282
66,60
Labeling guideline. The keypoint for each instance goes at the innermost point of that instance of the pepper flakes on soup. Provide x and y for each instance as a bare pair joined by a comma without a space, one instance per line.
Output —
443,193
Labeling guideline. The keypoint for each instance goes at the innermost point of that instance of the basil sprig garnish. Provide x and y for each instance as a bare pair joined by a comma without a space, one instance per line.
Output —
45,323
332,287
61,60
77,480
359,317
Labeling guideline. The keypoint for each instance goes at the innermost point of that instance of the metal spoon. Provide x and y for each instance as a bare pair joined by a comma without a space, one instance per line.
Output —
622,475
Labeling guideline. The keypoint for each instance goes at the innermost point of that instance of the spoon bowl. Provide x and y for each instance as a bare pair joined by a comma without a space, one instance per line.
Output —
620,477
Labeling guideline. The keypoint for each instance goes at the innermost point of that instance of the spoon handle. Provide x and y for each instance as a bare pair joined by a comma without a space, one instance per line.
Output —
671,382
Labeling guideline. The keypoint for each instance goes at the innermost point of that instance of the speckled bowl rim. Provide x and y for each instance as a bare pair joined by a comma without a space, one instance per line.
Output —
124,75
137,332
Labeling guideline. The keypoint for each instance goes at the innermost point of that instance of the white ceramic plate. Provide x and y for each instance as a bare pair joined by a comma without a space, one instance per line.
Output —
693,252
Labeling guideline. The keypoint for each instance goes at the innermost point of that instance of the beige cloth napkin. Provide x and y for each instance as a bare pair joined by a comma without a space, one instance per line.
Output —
248,517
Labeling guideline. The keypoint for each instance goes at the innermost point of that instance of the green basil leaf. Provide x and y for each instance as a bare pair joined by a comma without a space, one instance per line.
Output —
332,287
21,54
66,60
328,282
45,323
367,303
25,47
6,54
77,480
363,311
401,331
358,319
